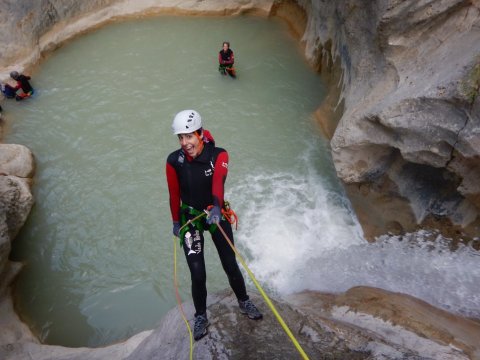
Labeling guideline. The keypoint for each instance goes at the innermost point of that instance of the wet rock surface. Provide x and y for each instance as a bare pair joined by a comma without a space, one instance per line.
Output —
235,336
363,323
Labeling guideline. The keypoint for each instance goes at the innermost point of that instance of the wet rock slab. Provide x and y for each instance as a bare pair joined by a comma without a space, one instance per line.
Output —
234,336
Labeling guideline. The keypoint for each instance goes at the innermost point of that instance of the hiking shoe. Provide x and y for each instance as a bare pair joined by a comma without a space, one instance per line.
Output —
247,308
200,327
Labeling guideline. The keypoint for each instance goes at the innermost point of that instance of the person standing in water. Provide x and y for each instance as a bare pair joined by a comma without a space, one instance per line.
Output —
226,59
196,175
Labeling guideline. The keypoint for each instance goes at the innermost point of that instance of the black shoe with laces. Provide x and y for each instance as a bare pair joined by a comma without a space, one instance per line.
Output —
248,308
200,327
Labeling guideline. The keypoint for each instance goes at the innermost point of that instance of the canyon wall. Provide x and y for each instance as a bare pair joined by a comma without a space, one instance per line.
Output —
407,140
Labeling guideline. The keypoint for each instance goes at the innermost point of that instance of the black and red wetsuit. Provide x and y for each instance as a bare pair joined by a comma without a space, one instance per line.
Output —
24,84
226,57
196,183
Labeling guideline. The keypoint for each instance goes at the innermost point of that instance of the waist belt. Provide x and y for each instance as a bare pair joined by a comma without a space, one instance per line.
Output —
187,213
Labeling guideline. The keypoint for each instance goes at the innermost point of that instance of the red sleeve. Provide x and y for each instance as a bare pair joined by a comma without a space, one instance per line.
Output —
18,86
219,58
174,191
208,137
219,177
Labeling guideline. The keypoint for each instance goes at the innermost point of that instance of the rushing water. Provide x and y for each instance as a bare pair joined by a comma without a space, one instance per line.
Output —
98,247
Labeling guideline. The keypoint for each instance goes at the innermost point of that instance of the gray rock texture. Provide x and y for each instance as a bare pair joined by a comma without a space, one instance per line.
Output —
16,200
409,83
25,22
347,326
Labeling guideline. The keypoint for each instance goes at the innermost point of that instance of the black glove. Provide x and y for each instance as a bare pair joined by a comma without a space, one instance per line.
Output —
176,228
215,215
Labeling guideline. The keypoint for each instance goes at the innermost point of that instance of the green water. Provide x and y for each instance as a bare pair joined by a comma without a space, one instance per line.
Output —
97,245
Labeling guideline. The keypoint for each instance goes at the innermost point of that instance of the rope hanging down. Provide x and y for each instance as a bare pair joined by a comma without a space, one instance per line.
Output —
265,296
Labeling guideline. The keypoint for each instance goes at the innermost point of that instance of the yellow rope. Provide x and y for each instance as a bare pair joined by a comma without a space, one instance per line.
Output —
267,300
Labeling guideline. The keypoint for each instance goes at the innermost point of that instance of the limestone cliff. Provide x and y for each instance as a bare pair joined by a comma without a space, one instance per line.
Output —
16,200
409,133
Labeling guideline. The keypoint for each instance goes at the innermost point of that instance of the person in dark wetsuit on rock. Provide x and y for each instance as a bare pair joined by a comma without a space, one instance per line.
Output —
22,84
196,175
226,59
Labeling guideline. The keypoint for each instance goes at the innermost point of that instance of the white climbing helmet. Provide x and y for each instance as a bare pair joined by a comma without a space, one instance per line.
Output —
186,121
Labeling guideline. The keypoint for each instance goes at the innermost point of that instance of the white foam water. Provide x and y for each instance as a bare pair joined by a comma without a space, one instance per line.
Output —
303,235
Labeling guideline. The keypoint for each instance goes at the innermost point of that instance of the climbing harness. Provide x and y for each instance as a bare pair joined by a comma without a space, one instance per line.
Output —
187,211
250,274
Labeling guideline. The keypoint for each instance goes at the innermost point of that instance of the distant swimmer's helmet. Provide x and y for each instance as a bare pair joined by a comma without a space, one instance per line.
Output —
186,121
14,75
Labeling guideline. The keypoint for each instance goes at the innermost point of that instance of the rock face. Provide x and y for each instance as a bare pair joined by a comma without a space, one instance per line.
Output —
346,326
16,200
410,128
325,326
24,23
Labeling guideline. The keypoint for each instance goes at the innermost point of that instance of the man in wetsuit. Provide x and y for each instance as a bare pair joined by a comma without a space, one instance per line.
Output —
196,175
226,59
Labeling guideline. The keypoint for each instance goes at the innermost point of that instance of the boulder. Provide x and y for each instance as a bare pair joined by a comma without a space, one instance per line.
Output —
16,200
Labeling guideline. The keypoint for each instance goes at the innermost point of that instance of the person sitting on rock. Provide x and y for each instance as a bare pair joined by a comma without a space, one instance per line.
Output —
22,90
8,91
